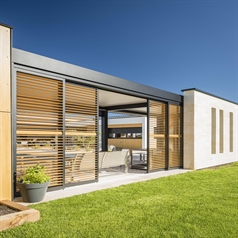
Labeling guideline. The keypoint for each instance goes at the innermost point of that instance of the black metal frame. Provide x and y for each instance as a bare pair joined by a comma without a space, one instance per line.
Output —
13,113
167,137
97,153
182,134
126,106
148,136
132,112
104,120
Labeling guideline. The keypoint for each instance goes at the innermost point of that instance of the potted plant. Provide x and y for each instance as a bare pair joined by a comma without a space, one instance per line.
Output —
33,183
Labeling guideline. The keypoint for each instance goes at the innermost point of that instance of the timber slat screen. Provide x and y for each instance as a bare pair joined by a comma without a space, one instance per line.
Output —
80,134
41,117
175,136
157,140
39,120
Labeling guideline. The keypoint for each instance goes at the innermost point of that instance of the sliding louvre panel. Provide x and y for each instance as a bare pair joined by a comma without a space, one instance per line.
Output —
175,136
39,121
157,131
80,134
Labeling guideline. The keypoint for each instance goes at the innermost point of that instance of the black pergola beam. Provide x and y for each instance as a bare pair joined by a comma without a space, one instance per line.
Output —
104,118
131,112
126,106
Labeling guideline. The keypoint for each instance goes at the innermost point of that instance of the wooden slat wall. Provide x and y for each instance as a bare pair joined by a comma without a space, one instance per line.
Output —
5,114
126,143
81,133
40,125
157,121
175,136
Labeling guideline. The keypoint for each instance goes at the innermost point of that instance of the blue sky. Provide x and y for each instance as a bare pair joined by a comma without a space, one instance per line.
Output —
171,45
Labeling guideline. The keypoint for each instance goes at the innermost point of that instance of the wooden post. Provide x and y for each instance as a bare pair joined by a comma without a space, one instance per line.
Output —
5,113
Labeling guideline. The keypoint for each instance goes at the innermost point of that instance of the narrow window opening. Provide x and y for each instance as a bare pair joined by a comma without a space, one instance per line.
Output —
231,132
221,132
213,131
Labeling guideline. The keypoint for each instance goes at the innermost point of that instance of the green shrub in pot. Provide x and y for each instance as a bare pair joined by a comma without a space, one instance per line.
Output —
33,183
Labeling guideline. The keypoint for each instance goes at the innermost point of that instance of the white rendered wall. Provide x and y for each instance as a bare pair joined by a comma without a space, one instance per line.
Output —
133,120
197,130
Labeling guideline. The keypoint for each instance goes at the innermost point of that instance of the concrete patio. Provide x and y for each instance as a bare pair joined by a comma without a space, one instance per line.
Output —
108,180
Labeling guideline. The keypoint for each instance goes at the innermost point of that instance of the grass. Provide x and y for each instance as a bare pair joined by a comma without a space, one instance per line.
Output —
201,203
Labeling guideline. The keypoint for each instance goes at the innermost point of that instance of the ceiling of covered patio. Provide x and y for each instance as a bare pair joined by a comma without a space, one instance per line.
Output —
122,103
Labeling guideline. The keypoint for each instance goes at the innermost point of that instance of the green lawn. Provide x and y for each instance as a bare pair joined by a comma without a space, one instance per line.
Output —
196,204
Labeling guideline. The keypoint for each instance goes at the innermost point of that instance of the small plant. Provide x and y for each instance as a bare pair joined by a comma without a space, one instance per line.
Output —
34,174
88,149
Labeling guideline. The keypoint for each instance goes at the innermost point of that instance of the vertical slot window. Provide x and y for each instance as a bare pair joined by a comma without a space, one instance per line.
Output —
231,132
221,132
213,131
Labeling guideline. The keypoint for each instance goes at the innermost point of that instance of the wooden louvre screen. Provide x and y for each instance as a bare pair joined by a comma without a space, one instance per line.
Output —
39,125
80,134
175,136
157,140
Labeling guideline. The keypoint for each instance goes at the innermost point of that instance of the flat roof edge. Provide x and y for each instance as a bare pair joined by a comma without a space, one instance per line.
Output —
36,61
210,94
3,24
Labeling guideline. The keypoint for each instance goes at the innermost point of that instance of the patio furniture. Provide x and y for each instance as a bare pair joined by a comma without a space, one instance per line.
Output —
142,163
114,159
111,147
73,165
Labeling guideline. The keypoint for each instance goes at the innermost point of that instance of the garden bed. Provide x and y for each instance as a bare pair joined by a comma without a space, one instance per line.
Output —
13,214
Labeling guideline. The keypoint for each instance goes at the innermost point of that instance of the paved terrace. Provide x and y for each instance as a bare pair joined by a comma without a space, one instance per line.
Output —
108,180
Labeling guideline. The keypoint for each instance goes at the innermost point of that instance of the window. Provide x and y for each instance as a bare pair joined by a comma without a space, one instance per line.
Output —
213,131
231,132
221,132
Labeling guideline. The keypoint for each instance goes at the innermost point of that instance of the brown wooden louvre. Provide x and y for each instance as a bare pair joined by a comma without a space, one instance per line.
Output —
39,121
80,134
157,131
175,136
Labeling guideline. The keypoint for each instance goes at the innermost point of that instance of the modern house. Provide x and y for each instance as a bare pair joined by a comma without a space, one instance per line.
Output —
50,113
